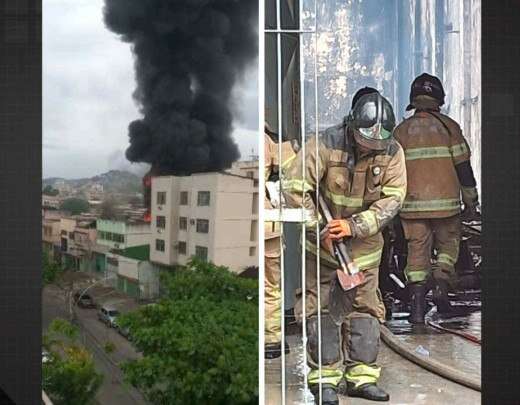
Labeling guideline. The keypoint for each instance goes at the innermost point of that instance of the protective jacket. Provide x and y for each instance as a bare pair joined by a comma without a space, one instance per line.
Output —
272,229
434,146
367,189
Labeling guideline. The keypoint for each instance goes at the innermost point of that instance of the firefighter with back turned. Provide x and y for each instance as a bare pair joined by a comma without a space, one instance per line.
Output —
439,174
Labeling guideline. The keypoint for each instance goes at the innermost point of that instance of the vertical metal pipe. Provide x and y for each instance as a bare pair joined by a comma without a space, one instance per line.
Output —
302,131
316,134
280,139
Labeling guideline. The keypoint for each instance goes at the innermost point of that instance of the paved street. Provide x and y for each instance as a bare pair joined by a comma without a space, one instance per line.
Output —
94,335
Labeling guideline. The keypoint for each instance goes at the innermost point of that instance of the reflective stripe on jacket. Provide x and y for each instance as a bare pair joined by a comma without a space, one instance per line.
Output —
433,145
368,190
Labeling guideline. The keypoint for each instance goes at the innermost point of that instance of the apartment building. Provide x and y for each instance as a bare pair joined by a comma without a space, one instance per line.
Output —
122,234
210,215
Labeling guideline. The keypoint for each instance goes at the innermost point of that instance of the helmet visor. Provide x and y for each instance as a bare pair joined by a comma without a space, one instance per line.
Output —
375,132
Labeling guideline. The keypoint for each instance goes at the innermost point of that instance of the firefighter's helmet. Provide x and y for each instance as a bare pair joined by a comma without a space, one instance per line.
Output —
372,121
426,85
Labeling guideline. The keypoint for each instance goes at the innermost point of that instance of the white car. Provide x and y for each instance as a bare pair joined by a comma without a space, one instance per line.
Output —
108,314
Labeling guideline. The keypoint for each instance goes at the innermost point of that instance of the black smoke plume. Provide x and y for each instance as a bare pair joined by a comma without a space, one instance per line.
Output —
188,55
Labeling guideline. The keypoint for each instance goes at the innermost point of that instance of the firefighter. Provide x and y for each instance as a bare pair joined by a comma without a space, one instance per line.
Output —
272,299
439,172
361,174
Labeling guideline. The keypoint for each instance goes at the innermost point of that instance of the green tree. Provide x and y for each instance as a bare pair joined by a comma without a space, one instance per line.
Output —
200,341
51,269
75,205
69,374
49,190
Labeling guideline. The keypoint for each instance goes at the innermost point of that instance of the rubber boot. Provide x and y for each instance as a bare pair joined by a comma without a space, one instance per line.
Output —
274,350
440,296
329,394
417,302
367,391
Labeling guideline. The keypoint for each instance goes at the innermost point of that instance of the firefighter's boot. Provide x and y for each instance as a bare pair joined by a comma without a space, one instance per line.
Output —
368,391
329,394
440,296
417,302
274,350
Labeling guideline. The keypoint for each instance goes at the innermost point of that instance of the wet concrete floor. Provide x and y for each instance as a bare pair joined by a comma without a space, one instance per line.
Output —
406,382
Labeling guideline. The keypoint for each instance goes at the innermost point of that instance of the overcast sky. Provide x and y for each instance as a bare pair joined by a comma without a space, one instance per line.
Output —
88,80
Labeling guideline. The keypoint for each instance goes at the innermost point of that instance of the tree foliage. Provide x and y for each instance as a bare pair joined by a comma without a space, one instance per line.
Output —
49,190
69,374
75,205
200,341
51,269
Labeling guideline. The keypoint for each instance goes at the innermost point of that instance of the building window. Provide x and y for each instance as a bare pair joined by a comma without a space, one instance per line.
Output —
202,226
201,252
183,223
203,198
184,198
159,245
119,238
251,175
161,222
182,248
161,197
252,251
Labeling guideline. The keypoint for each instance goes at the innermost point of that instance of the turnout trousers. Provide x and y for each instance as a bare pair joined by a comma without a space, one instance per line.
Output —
349,349
428,234
273,297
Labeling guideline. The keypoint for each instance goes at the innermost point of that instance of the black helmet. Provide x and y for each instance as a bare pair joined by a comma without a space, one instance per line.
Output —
372,120
361,92
426,85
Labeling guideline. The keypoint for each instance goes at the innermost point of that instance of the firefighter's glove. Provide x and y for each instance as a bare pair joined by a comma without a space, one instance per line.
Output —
339,229
471,213
274,193
326,241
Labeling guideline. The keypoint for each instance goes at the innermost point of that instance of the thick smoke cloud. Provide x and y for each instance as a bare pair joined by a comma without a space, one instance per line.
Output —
188,55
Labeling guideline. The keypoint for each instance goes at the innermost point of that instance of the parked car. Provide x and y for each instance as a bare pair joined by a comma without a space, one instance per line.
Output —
108,314
83,301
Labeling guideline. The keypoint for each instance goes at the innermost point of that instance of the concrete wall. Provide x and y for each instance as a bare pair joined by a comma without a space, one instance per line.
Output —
231,215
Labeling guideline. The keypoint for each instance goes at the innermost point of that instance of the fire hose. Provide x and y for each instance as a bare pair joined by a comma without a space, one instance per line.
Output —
432,365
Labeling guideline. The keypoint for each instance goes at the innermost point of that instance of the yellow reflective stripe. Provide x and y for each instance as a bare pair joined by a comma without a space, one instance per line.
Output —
369,218
328,376
394,191
324,254
459,149
363,374
446,258
427,153
287,161
415,275
370,260
298,185
365,262
431,205
350,202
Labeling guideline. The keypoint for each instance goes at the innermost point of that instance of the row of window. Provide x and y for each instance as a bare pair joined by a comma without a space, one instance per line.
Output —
203,198
200,251
113,237
202,224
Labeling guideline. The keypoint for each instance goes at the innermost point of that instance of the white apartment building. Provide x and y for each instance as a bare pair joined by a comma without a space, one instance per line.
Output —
122,234
210,215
